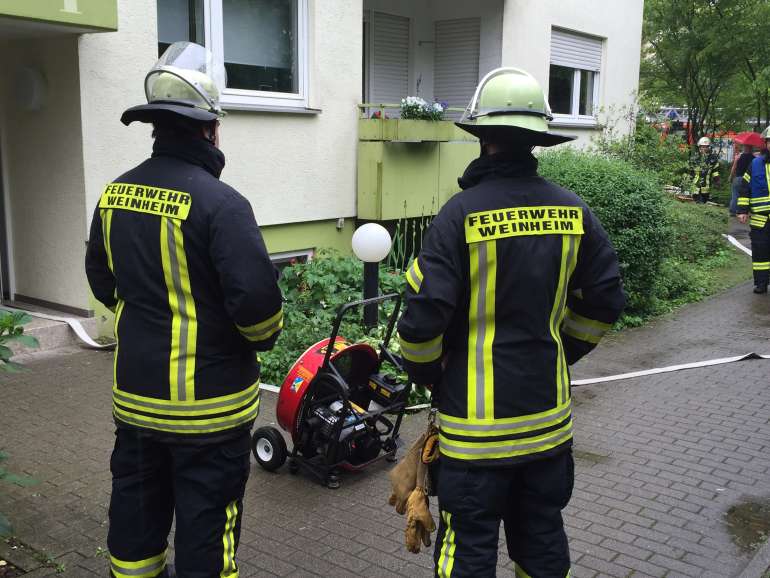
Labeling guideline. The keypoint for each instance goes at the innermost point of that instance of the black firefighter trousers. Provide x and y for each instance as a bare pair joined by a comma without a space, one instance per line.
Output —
528,499
202,484
760,248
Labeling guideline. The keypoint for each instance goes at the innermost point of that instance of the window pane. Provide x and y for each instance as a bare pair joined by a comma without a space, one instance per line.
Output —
179,20
587,92
260,39
560,83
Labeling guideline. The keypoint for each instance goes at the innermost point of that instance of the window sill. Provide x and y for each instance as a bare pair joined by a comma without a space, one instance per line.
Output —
574,121
271,109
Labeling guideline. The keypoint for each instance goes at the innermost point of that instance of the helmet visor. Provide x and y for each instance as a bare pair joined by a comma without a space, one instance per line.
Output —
191,64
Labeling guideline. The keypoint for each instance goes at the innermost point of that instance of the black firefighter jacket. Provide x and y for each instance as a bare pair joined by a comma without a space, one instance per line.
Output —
515,281
178,256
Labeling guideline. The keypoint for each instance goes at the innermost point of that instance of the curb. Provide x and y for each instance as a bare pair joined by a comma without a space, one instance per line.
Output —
759,564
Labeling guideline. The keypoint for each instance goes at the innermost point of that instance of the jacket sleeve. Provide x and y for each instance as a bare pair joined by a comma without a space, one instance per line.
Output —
434,286
714,168
98,265
744,193
596,298
248,278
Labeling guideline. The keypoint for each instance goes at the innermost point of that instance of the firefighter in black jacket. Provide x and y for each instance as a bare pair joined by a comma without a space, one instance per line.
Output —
178,256
516,280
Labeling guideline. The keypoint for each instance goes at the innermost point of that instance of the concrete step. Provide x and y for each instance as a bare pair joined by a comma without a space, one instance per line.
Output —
50,334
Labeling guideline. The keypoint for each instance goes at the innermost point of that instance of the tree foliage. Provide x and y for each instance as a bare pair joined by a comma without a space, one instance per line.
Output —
708,56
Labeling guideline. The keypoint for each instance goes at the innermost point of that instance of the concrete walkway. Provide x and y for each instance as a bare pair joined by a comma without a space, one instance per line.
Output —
673,470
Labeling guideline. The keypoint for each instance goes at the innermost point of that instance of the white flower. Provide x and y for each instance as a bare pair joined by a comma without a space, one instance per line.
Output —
437,107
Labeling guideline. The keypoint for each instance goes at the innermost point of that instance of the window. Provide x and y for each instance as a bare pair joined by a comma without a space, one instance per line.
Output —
573,86
456,61
263,44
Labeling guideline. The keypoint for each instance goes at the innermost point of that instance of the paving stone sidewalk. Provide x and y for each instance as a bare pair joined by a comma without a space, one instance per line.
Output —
660,462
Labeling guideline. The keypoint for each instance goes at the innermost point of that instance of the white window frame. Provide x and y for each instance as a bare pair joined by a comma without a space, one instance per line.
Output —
285,257
574,118
240,99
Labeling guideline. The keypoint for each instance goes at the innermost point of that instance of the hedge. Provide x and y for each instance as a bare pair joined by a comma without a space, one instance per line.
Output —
631,206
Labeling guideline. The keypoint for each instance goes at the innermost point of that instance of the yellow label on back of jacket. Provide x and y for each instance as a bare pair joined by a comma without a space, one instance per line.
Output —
520,221
144,199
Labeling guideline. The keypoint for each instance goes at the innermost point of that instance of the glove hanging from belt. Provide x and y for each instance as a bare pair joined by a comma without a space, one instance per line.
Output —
410,483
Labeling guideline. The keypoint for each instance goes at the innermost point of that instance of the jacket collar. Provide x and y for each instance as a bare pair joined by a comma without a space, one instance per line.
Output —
194,151
498,166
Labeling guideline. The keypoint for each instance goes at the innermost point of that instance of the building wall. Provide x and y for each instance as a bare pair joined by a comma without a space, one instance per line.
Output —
291,167
423,14
527,33
43,163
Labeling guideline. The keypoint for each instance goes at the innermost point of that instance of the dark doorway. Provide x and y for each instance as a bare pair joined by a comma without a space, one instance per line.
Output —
5,290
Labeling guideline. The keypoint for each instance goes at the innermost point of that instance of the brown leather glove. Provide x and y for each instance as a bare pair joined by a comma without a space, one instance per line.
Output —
430,451
419,522
403,478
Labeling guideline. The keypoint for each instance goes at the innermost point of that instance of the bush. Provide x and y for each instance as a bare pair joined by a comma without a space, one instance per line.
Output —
11,331
644,148
313,291
697,230
631,206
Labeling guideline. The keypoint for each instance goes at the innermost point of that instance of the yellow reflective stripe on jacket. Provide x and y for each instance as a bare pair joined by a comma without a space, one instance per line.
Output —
446,559
422,352
758,221
519,572
761,265
264,329
106,230
189,426
481,329
747,176
488,428
743,201
569,251
147,568
184,322
229,569
198,407
118,313
584,328
465,450
414,276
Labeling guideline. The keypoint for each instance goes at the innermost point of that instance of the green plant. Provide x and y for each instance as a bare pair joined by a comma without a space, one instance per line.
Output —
626,134
12,331
415,108
313,292
631,206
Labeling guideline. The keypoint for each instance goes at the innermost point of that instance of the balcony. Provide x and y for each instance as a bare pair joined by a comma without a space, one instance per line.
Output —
408,168
75,16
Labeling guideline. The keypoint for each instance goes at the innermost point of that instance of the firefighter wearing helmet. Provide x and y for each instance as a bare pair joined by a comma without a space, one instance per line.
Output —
704,171
515,281
754,209
178,256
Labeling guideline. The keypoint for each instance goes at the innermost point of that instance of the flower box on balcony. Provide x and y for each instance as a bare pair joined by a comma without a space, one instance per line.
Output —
407,130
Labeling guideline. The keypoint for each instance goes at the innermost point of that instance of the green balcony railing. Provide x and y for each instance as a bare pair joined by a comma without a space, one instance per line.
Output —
408,168
96,15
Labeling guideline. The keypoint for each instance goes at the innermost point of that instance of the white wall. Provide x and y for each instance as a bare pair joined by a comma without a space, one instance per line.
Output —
527,37
112,70
291,167
424,13
44,171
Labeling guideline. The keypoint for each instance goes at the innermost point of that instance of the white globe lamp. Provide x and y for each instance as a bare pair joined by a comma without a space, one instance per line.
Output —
371,243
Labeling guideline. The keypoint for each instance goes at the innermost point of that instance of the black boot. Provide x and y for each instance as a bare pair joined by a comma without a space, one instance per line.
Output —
760,288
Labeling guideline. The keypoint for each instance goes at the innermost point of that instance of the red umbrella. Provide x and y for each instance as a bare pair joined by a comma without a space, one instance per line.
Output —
749,138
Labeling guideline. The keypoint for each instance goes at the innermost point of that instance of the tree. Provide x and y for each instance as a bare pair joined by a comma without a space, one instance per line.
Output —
707,56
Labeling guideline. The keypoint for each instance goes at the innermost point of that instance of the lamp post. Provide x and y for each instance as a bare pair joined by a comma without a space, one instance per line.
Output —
371,244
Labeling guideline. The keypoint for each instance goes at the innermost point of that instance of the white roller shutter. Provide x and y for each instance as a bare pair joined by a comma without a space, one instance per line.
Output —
456,61
389,59
576,50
